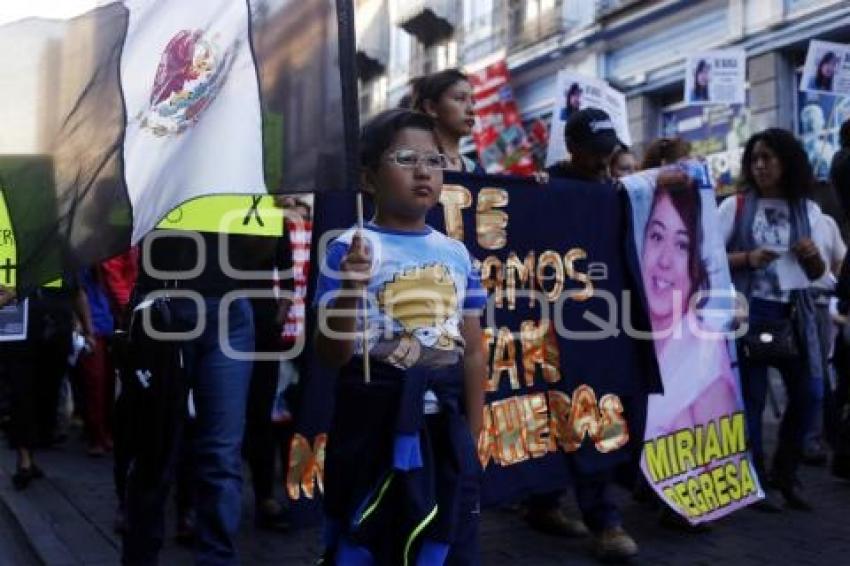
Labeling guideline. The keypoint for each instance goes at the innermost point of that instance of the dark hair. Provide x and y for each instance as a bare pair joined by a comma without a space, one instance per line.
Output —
683,192
844,134
665,151
575,88
406,101
700,91
432,87
797,176
379,132
822,82
620,151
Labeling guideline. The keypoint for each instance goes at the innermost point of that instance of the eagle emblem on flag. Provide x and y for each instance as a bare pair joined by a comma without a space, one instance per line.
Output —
190,74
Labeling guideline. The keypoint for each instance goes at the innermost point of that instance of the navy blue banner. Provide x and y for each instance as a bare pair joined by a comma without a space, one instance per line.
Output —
565,379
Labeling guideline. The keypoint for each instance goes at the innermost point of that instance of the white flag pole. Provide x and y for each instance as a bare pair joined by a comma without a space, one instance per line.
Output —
367,373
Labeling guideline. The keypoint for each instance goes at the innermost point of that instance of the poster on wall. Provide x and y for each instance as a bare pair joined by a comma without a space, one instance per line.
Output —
716,133
819,117
716,77
827,68
574,92
498,133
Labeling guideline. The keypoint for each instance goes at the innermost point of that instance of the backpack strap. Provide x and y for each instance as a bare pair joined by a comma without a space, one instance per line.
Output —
739,207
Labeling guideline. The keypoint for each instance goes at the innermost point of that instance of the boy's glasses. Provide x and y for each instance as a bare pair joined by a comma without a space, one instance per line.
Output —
409,159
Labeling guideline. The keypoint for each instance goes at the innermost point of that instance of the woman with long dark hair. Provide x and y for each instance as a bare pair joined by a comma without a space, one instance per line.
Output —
825,72
573,101
446,96
702,74
768,229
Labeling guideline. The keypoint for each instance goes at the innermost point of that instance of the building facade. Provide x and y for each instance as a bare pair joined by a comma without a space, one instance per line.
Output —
638,46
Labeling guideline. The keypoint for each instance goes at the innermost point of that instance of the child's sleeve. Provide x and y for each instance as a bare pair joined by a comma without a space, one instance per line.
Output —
476,296
329,277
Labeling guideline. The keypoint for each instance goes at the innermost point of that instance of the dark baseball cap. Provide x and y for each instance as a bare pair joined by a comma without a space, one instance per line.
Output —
592,129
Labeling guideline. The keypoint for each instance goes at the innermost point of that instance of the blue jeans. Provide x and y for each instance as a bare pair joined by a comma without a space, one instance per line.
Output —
220,391
798,387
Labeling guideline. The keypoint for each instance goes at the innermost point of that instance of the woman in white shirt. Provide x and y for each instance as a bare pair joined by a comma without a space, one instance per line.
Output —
768,229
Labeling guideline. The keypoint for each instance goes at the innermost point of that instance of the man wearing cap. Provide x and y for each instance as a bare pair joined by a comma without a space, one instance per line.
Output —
591,140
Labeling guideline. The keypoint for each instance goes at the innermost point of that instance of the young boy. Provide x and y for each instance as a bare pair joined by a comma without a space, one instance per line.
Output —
401,471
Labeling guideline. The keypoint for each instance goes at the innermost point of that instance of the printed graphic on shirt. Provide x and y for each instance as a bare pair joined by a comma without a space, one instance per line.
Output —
771,230
422,304
420,287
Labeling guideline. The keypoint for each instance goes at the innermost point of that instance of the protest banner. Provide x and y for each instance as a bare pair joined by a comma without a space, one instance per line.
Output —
716,77
695,447
819,118
574,92
563,371
498,133
13,321
717,133
827,68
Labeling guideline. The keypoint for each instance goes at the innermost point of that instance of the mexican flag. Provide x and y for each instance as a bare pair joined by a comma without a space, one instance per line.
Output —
112,119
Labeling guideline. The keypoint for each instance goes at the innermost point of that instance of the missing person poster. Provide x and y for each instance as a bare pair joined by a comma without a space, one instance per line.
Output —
827,68
574,92
13,321
716,133
819,119
716,77
695,446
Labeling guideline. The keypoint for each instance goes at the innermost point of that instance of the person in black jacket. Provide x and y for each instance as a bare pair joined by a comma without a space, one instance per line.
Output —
591,141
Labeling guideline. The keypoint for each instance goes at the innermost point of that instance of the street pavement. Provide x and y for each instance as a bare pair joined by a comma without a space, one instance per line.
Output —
67,518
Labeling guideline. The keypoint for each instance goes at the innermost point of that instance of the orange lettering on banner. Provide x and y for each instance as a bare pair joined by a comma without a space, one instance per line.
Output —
585,418
540,348
570,258
538,438
491,224
493,278
488,339
520,274
560,408
454,199
487,444
553,260
508,422
306,467
614,432
504,360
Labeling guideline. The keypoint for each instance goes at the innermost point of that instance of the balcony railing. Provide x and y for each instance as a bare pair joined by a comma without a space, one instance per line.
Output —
430,21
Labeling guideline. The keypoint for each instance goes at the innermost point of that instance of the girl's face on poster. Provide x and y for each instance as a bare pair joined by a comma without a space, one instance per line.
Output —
665,264
766,169
827,68
703,76
454,111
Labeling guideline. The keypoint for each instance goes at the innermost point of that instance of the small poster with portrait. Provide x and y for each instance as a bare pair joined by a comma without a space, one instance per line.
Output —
827,68
13,321
574,92
716,77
